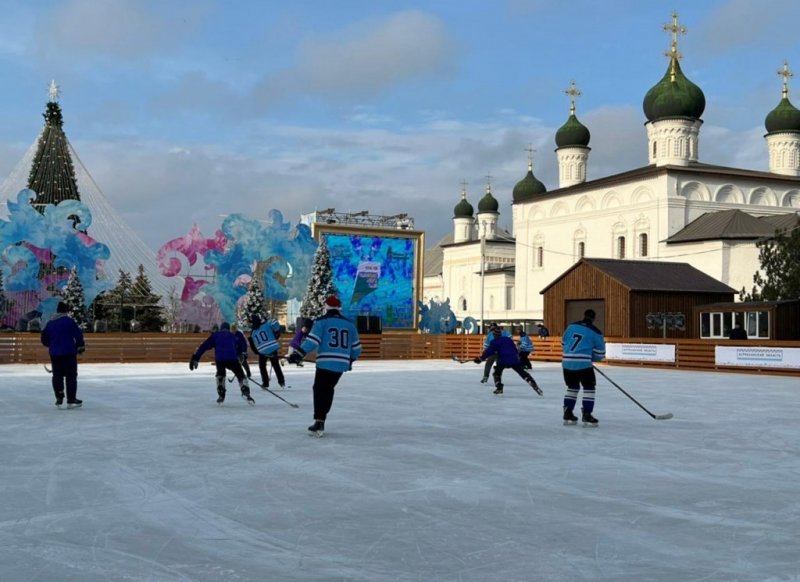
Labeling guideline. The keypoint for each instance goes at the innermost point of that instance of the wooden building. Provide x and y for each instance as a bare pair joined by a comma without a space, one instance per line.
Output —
762,320
630,297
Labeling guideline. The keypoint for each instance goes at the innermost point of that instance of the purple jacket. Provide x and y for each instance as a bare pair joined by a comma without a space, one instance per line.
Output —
62,335
226,345
506,350
298,338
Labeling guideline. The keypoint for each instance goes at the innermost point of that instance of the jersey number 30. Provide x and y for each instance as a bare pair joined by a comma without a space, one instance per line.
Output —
339,338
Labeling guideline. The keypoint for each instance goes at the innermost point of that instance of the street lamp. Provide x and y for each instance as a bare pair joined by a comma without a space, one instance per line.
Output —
483,263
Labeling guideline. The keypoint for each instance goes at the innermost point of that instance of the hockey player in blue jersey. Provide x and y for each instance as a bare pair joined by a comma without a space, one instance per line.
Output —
264,342
525,346
503,348
336,340
583,344
228,348
494,332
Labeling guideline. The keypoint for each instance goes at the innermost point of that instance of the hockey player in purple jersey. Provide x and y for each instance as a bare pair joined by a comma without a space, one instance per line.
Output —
505,349
583,345
227,347
336,341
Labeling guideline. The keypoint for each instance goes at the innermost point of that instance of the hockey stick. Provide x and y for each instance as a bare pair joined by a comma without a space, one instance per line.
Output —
276,395
459,360
49,371
618,387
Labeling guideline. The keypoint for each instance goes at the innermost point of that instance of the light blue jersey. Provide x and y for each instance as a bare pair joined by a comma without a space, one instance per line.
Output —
336,341
265,338
583,344
525,344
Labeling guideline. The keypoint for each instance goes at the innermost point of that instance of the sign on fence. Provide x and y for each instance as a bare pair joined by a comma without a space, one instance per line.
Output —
641,352
757,356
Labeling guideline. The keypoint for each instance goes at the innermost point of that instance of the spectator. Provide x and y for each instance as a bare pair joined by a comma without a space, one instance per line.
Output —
738,333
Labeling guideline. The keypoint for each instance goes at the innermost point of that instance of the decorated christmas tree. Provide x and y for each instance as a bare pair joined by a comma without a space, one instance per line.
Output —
254,304
5,302
320,285
73,296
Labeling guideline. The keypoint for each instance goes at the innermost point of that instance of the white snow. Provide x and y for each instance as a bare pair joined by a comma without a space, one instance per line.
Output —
422,475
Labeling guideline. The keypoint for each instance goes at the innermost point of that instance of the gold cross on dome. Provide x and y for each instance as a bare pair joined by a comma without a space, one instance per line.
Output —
488,183
786,74
464,188
530,151
573,92
675,29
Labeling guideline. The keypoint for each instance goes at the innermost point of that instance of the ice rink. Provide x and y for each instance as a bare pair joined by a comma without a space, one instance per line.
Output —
422,475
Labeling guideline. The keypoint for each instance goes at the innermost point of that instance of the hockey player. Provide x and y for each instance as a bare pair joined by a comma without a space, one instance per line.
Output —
525,346
264,342
494,332
503,348
300,336
337,343
583,344
243,356
64,340
227,349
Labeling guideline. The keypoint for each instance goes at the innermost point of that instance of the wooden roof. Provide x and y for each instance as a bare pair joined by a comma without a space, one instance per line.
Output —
652,276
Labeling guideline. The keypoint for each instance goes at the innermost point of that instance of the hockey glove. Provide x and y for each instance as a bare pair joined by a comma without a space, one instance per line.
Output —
193,363
296,357
81,349
477,360
242,358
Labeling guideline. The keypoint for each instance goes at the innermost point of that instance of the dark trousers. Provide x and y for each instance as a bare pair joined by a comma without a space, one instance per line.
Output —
574,379
65,369
245,365
487,367
276,365
498,374
324,383
232,365
523,360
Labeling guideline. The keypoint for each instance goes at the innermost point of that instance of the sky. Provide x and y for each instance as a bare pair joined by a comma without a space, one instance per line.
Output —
184,111
422,475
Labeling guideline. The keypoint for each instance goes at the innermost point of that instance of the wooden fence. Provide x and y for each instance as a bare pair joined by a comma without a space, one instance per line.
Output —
25,348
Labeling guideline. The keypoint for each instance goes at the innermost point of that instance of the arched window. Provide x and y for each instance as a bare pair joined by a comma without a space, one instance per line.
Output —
463,303
643,244
621,247
539,257
581,250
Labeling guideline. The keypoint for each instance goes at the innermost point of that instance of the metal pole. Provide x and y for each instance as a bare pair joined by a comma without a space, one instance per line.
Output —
483,262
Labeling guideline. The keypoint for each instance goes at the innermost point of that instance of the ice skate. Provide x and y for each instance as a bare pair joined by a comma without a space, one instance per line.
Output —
484,380
59,399
569,417
246,395
75,403
588,419
317,429
220,394
535,387
498,390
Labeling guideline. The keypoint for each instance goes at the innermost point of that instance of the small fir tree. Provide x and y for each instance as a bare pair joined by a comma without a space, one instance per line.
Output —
117,304
254,304
75,299
320,284
5,302
148,311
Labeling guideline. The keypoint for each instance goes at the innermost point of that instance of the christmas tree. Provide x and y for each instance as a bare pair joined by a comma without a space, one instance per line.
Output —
76,301
320,285
115,304
5,303
254,304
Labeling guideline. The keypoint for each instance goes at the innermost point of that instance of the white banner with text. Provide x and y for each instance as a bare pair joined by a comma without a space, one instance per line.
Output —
757,356
641,352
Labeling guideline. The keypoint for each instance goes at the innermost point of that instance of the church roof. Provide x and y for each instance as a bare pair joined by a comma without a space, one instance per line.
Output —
653,276
434,257
731,225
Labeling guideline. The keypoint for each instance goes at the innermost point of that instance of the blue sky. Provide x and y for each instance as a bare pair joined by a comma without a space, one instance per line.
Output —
185,110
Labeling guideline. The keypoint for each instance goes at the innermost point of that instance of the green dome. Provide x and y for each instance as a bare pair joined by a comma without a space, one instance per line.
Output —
528,188
488,203
785,117
678,98
463,209
572,133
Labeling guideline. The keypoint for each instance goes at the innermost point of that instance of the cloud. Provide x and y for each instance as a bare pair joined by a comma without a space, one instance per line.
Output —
366,59
741,23
114,28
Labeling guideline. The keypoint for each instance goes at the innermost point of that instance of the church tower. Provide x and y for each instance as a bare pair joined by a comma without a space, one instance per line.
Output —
572,141
783,132
488,213
463,221
673,108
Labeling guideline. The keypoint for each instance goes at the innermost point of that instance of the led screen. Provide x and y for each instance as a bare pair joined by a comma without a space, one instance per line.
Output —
374,275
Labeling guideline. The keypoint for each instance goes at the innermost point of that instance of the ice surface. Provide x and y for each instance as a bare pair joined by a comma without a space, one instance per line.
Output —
422,475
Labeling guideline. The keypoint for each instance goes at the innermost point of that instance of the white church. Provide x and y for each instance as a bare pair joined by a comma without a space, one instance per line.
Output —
675,209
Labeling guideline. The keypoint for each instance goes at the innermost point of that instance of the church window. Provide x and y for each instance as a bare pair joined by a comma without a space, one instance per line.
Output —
621,247
539,257
655,148
509,297
643,244
581,249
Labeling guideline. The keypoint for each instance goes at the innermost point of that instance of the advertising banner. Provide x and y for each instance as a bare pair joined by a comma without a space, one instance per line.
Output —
641,352
757,356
